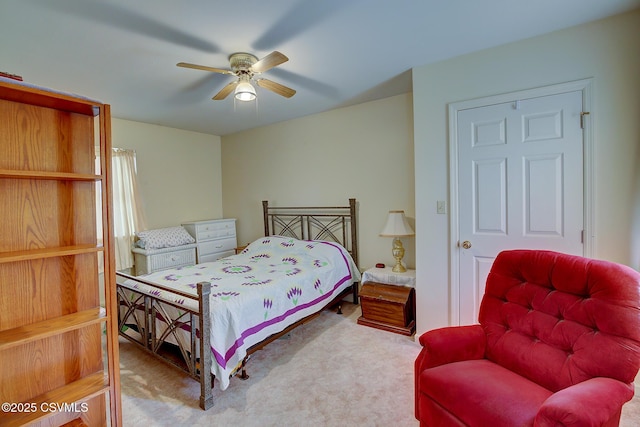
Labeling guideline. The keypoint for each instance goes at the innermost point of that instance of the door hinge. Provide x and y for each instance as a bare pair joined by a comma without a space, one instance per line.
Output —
582,114
582,236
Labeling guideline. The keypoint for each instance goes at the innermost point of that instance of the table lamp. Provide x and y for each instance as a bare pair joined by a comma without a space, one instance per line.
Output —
397,226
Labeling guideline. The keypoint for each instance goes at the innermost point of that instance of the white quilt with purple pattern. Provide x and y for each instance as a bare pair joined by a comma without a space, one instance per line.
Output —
273,283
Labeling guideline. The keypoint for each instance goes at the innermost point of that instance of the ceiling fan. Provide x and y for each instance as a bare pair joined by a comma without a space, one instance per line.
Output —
246,67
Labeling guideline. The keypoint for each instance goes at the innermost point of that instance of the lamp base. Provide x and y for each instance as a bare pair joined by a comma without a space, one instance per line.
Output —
398,254
399,268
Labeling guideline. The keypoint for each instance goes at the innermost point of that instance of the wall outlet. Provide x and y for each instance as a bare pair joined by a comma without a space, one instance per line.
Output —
441,207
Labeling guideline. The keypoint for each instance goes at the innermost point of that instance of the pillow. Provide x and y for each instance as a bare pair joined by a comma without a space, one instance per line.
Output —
164,238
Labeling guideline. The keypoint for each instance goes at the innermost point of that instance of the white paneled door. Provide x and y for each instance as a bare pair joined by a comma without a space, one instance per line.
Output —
520,184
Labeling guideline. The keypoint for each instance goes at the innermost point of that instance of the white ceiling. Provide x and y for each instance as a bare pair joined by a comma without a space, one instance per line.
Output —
341,52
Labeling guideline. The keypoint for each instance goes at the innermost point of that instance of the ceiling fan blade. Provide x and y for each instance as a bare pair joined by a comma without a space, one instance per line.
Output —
287,92
275,58
225,91
202,67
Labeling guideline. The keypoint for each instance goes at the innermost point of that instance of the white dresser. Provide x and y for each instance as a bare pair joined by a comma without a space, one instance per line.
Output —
215,238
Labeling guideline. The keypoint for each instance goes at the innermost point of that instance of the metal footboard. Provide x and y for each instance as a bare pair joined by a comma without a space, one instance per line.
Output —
159,326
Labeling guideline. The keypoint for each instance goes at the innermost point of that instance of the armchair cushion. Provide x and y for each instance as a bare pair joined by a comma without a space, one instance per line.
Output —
493,395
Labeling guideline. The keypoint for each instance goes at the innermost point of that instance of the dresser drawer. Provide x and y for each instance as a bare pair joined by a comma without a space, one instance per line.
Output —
215,230
215,256
215,238
214,246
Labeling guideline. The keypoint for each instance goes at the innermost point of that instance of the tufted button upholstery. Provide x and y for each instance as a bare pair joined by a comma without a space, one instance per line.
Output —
552,327
585,294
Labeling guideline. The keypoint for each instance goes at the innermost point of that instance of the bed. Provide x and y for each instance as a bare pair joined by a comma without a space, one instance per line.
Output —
210,317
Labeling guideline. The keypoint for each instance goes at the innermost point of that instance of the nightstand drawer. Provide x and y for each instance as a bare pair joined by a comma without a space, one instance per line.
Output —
381,310
161,259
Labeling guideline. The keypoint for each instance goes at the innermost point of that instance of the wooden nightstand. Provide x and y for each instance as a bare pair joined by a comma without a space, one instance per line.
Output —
388,306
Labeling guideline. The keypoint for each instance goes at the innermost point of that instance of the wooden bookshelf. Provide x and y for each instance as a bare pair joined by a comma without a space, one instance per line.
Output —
58,345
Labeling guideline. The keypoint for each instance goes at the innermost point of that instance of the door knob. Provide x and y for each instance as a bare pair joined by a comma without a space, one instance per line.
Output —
466,244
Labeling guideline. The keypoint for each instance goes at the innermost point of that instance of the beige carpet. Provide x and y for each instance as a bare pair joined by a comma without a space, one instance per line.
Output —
329,372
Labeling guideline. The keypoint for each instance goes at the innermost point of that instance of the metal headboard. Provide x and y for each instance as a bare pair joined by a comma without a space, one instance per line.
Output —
332,223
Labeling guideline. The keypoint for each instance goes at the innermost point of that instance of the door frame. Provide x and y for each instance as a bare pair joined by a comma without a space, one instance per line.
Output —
584,85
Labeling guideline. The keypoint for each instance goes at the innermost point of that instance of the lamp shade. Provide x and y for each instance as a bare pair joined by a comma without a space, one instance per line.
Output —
245,91
397,225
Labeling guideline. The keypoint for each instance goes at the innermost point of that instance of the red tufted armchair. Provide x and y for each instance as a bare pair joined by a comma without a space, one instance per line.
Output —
558,344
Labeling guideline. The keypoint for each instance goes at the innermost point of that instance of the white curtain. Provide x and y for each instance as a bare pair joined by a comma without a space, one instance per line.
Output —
127,205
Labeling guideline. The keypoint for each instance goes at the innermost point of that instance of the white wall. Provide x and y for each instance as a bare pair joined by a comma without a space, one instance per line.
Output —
364,151
179,171
606,50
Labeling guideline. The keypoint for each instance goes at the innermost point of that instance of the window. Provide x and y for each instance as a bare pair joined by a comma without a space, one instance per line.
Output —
128,214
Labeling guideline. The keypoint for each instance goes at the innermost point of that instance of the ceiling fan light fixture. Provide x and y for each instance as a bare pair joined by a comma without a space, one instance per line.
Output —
244,66
245,91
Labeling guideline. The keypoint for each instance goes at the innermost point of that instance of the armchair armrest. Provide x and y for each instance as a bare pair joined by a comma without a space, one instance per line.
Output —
594,402
452,344
447,345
